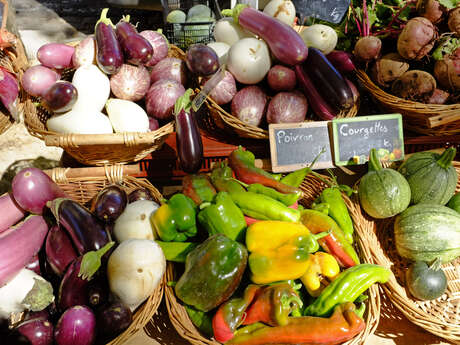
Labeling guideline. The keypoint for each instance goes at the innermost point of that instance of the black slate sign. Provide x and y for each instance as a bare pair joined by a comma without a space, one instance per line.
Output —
296,145
331,11
355,137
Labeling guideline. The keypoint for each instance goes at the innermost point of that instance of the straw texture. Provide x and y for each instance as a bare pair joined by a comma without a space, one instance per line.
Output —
311,188
427,119
83,189
224,120
441,316
98,149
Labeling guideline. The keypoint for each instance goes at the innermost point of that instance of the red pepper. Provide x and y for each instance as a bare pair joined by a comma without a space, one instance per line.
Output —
343,325
242,162
230,315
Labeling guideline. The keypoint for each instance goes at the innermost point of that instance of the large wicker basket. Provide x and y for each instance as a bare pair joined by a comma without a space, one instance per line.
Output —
99,149
226,121
427,119
311,188
14,59
82,184
441,316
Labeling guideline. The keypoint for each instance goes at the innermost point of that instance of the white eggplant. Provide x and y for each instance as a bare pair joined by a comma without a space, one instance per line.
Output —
93,88
134,222
80,121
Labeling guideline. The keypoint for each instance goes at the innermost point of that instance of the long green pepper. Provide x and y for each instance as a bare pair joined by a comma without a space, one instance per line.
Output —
287,199
347,287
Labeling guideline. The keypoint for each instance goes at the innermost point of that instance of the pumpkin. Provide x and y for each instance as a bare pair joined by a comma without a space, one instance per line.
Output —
454,202
383,192
426,232
431,176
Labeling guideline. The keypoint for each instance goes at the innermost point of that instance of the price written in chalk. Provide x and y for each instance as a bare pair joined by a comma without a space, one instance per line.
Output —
296,145
355,137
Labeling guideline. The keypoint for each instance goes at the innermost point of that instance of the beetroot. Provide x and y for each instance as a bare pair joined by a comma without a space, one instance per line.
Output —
447,71
414,85
454,20
439,97
388,68
417,38
367,48
431,10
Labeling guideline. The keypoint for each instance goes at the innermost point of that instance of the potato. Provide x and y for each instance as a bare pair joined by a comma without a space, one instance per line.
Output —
388,68
417,39
414,85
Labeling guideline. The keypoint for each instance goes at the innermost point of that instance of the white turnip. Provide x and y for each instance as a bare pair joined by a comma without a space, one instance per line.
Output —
416,39
130,82
249,104
287,107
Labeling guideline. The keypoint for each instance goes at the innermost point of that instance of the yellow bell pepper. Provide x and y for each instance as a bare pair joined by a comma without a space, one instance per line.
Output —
319,265
279,250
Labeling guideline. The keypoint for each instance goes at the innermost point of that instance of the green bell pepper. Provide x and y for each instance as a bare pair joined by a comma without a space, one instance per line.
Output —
213,271
223,216
175,220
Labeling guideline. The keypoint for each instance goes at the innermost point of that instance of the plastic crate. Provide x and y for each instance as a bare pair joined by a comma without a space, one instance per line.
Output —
185,34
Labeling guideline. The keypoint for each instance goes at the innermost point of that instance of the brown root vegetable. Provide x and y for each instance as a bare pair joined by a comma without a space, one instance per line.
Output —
417,38
367,48
447,72
454,20
388,68
431,10
439,97
414,85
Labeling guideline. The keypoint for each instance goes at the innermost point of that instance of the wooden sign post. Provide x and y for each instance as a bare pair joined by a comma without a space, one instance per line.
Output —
355,137
296,145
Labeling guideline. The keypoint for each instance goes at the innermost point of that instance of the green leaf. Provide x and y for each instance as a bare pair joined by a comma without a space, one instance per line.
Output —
446,47
449,4
40,296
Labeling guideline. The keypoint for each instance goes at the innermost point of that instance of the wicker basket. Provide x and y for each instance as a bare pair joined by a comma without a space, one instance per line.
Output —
427,119
441,316
223,120
99,149
82,184
311,188
14,59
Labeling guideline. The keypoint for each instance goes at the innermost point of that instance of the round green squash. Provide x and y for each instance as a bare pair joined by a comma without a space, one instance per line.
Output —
383,192
431,176
454,202
426,232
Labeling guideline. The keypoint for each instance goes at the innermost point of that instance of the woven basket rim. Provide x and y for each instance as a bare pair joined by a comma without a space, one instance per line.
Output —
76,187
186,329
233,124
396,292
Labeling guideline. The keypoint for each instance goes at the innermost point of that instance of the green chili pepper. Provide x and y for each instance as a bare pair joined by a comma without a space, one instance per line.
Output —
295,178
322,207
222,179
287,199
201,320
347,287
198,187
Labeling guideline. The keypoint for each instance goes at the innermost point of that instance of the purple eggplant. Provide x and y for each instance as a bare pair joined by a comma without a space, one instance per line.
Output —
86,230
109,55
9,91
136,48
75,283
60,97
188,137
32,332
202,60
109,203
98,292
59,250
77,326
113,318
34,265
140,194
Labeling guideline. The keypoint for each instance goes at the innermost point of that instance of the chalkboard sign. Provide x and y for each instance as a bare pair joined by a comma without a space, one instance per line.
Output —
355,137
296,145
331,11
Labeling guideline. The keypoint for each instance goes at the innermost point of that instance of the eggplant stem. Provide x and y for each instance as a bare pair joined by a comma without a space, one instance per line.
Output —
92,261
104,19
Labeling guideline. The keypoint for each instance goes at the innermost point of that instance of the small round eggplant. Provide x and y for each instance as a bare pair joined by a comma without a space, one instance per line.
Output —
202,60
113,319
140,194
110,203
33,332
77,326
98,292
60,97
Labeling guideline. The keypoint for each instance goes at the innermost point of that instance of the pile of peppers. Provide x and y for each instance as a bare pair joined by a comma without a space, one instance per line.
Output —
258,268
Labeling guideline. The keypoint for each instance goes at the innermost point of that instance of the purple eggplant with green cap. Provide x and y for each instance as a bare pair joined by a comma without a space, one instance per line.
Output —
109,55
136,48
188,138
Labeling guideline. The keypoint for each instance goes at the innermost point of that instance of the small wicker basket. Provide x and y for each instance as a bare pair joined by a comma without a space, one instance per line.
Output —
99,149
427,119
441,316
224,120
14,60
82,184
311,188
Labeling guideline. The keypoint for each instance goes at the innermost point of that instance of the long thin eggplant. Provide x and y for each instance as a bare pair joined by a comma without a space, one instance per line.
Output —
11,212
188,138
109,55
59,250
284,42
19,244
137,49
74,285
320,107
327,79
85,230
